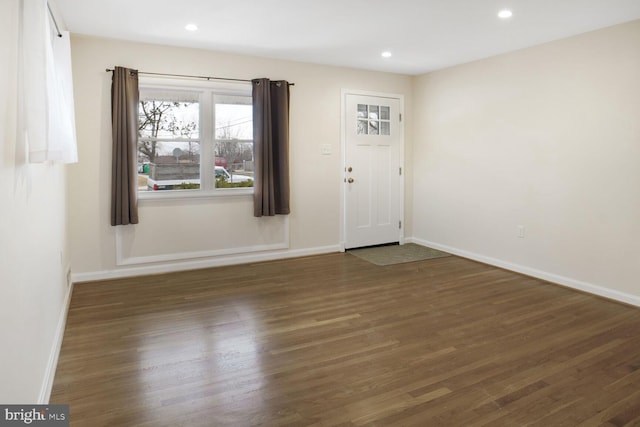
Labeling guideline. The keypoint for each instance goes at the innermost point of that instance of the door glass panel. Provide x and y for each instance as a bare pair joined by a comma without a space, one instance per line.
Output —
374,120
362,127
373,127
384,113
373,112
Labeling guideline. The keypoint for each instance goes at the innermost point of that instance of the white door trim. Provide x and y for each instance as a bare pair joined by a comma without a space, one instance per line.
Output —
343,144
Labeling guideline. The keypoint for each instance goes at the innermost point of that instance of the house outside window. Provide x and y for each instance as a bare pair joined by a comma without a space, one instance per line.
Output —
194,139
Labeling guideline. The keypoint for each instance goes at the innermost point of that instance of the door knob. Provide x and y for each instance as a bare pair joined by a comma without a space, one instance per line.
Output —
350,180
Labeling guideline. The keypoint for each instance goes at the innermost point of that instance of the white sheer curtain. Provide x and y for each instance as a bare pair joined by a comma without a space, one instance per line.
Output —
47,113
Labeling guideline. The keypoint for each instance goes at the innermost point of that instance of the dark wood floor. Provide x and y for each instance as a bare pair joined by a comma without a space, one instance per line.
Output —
333,340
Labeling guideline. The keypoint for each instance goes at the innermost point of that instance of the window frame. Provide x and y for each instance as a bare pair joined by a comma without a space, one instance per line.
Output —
206,90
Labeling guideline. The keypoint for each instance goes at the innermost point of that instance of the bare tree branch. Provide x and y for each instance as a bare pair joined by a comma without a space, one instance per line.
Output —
159,116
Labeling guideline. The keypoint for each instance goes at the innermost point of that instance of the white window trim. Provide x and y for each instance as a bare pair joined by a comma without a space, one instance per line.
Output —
207,142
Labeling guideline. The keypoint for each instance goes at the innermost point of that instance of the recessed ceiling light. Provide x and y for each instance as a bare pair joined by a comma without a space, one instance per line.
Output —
505,14
191,27
386,54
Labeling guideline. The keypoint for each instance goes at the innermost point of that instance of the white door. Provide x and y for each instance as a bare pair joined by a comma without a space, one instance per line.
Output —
373,170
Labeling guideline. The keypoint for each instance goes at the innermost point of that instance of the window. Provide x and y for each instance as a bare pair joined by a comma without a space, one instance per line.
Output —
168,140
233,141
374,120
194,140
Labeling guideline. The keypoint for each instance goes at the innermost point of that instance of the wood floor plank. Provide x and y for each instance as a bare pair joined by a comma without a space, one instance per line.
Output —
335,341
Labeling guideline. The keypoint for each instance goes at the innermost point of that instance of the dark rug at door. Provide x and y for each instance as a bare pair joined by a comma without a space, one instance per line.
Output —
397,254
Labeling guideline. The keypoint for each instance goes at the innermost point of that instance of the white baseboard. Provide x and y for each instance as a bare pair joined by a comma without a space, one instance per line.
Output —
50,373
550,277
200,263
124,260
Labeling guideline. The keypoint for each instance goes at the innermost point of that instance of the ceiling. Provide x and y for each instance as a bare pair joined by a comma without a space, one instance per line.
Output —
422,35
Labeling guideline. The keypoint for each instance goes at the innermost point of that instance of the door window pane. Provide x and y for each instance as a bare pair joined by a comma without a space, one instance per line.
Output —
362,111
373,112
373,120
384,113
373,127
385,128
362,127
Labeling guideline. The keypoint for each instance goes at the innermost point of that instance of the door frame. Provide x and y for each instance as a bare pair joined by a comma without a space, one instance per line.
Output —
343,163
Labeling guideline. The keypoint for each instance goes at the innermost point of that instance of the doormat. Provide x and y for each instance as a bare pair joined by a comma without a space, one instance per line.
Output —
397,254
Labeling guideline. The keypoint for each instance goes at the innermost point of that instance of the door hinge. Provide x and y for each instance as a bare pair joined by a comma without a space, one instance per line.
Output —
400,171
400,116
400,225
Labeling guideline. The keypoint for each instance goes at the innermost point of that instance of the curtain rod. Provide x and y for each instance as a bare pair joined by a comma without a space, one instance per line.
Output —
53,18
109,70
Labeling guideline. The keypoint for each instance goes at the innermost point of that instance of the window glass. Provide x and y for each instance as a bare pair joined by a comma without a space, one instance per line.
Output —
168,144
373,120
194,140
233,141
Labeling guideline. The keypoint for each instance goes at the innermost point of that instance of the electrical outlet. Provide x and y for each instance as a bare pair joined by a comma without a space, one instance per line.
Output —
520,229
325,149
68,277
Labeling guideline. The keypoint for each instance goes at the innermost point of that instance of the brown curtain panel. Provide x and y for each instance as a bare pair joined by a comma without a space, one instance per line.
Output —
271,147
124,124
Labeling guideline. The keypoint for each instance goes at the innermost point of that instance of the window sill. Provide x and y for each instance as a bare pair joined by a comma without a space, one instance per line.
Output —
172,195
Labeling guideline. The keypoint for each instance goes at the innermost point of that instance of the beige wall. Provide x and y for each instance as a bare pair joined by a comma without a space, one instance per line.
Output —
33,255
548,138
314,225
